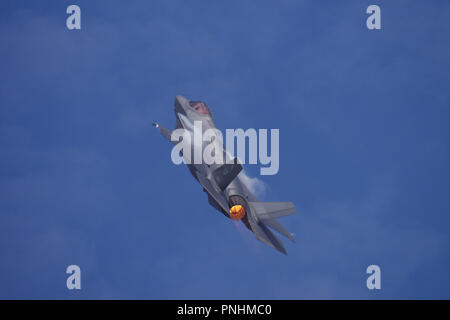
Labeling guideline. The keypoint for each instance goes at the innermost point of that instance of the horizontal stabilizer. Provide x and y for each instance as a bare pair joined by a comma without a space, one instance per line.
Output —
265,214
272,210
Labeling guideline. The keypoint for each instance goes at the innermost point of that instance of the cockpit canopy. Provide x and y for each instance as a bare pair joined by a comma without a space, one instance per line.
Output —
200,107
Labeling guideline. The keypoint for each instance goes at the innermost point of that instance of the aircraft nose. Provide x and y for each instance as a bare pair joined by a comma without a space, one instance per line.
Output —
181,100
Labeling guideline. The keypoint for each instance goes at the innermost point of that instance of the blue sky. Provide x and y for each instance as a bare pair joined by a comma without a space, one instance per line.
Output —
364,148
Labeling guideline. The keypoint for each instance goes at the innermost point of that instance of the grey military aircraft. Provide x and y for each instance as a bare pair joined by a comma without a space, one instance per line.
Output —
223,185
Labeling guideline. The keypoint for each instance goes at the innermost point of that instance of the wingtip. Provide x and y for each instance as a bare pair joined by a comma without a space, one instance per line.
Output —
155,124
292,238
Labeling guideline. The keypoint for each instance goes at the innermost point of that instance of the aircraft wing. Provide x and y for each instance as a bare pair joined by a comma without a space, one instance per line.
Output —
166,133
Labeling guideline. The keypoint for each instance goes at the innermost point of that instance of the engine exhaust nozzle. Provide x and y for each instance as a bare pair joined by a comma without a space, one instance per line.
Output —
237,212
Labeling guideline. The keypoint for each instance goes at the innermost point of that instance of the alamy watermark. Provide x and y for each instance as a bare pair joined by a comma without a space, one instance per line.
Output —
207,147
74,280
374,280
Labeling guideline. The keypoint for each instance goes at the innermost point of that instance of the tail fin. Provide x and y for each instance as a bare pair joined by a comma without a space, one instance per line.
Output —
265,214
263,234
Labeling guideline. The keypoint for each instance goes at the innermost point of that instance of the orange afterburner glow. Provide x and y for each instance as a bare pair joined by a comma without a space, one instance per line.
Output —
237,212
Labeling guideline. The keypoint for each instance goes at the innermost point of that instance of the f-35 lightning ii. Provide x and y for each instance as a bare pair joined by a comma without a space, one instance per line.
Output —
224,187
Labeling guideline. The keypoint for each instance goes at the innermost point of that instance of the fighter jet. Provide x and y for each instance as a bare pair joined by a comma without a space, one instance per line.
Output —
222,183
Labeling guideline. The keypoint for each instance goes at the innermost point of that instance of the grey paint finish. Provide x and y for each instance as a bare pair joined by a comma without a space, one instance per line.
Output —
221,183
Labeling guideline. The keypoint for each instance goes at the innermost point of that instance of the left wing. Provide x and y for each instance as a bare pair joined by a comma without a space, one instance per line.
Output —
166,133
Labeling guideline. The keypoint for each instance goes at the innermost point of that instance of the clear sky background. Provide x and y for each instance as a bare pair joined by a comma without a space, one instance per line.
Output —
364,148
